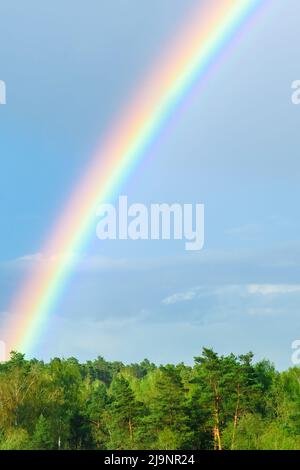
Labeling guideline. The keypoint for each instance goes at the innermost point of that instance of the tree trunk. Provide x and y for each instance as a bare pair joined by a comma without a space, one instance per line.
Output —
236,418
217,434
130,427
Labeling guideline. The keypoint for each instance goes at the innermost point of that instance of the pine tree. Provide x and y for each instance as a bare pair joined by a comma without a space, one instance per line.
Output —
43,438
124,413
168,410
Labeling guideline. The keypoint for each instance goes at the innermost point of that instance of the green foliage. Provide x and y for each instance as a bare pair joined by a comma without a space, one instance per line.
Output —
168,411
222,402
16,439
42,438
124,413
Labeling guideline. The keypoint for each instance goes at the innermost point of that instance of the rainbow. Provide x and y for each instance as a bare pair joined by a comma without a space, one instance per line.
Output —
194,49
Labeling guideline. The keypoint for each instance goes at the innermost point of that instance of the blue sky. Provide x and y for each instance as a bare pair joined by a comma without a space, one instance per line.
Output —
69,67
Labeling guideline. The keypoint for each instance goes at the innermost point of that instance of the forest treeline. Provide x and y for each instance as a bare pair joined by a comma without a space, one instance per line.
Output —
221,402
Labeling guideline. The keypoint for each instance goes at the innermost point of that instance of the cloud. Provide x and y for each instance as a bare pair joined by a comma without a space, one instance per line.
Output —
210,303
38,259
271,289
264,311
180,297
44,261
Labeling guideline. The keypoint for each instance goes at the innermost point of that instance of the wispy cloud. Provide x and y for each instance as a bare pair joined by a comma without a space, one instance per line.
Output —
180,297
44,261
271,289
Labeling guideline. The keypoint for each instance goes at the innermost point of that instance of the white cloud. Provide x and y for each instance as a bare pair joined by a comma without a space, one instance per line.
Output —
271,289
180,297
265,311
44,261
39,259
